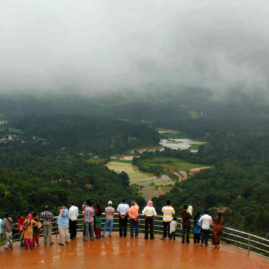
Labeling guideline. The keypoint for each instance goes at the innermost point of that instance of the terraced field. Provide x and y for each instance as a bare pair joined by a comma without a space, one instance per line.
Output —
150,185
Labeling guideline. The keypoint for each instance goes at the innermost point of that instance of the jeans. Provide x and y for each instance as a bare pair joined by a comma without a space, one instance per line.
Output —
110,223
47,228
204,237
133,226
166,228
73,228
123,226
149,227
197,238
88,230
186,233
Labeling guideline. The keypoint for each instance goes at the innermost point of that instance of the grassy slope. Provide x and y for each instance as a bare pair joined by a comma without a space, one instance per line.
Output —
167,164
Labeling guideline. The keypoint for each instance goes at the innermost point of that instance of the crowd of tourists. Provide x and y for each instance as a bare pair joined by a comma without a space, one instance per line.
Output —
67,220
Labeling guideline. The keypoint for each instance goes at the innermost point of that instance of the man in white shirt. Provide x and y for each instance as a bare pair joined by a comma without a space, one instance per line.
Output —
73,217
123,209
205,222
168,212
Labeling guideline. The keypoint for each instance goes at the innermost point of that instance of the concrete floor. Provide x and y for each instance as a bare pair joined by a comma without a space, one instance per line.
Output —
128,253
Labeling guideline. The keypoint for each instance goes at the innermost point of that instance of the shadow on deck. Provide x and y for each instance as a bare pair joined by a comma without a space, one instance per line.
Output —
116,252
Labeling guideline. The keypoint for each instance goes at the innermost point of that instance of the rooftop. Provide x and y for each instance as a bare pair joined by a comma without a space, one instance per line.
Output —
116,252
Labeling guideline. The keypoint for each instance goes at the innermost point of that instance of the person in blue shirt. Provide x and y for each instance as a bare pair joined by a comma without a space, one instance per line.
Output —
63,223
197,228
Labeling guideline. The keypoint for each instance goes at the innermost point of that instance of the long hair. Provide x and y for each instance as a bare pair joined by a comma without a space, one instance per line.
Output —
99,210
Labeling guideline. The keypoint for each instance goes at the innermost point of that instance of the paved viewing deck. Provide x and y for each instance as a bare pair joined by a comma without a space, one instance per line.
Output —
116,252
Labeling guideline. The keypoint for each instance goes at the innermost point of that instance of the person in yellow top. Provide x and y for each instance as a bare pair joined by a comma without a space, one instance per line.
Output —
27,227
168,212
134,219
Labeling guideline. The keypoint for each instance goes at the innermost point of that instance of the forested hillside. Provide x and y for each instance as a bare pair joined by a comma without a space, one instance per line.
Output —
83,134
238,181
55,179
44,159
47,142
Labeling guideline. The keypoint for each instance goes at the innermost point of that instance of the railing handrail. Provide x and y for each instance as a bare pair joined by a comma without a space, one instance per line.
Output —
241,238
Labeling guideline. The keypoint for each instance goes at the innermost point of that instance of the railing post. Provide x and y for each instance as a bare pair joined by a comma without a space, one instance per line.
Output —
248,244
57,231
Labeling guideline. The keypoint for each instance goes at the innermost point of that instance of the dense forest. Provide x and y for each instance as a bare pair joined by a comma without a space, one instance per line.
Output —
80,133
46,160
238,180
55,179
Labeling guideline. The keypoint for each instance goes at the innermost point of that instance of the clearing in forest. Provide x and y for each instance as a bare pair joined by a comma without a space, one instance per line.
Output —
167,164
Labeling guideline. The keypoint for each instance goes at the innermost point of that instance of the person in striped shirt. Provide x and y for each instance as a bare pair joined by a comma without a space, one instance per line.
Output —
168,212
47,217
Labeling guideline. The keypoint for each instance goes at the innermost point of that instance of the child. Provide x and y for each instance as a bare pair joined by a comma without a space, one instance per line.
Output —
36,230
173,228
98,222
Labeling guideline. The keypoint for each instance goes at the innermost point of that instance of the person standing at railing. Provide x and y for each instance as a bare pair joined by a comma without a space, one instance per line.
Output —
1,230
7,225
63,222
123,209
47,217
134,219
186,225
168,212
190,209
20,221
73,218
88,225
218,223
197,228
149,212
205,222
109,211
98,222
27,227
36,230
173,228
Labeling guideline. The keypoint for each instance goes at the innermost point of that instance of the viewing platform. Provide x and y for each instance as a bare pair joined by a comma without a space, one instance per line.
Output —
117,253
238,250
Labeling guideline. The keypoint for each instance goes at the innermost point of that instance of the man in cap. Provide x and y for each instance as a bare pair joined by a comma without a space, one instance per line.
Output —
109,211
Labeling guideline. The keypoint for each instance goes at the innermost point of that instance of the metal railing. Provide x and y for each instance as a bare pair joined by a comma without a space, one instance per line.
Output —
230,236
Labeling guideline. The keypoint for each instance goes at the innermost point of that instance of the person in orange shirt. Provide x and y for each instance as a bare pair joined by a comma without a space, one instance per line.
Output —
134,219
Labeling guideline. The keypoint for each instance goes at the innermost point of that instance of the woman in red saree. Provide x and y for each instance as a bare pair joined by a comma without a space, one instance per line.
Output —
218,223
20,221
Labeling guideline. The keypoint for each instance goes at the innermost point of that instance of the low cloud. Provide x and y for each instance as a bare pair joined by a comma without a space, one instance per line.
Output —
100,46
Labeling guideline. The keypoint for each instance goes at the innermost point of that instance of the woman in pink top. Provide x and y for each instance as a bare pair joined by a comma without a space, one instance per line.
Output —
134,219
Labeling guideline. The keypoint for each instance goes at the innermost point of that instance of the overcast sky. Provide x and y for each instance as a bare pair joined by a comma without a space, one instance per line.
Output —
93,46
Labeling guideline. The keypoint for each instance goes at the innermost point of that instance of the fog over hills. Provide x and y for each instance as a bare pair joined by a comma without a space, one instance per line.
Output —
159,86
96,47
